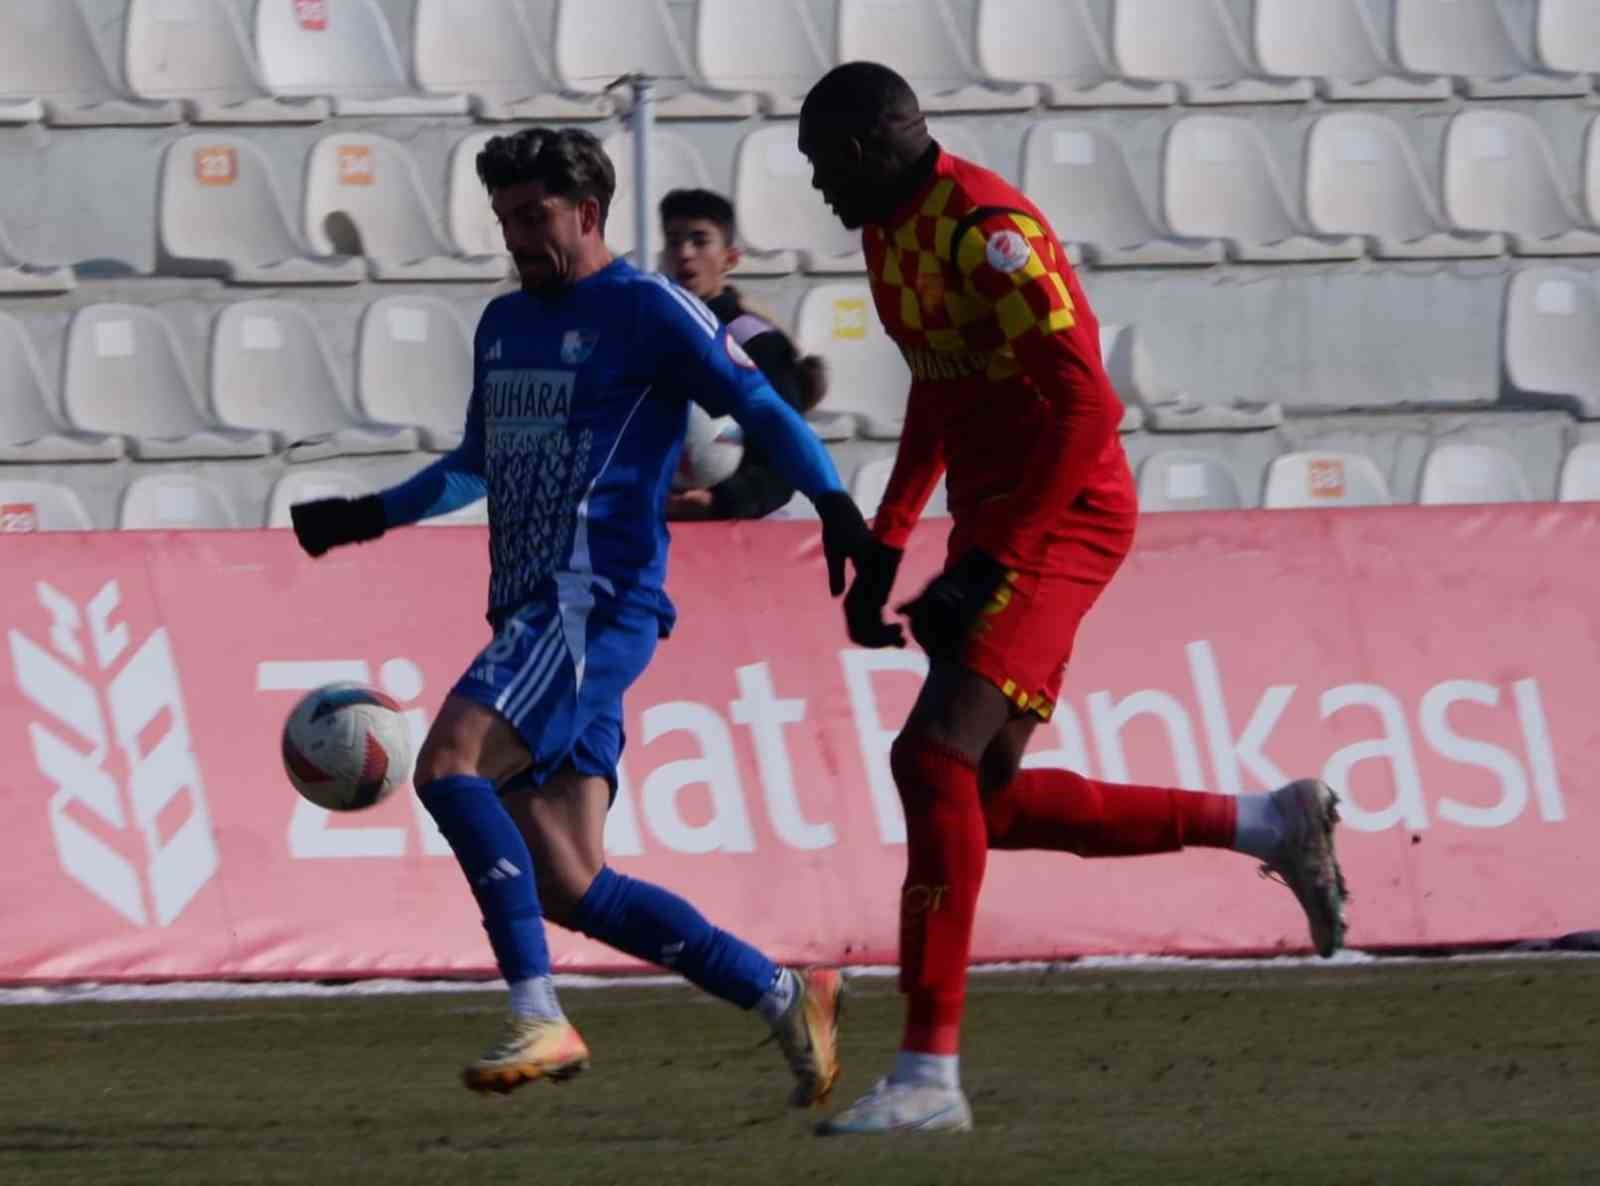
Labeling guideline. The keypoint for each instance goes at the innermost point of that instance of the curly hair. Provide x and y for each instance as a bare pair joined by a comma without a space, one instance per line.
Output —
569,162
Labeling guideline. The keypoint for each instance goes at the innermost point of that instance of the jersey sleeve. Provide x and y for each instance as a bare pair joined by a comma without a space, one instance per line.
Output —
455,479
696,355
918,465
1014,265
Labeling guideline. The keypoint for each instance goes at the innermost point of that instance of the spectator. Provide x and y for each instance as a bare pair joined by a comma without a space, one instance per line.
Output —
698,227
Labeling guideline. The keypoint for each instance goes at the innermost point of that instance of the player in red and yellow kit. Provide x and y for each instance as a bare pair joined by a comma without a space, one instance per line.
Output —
1009,399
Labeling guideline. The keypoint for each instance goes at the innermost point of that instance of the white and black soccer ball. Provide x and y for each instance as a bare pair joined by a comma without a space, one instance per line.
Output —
346,747
712,450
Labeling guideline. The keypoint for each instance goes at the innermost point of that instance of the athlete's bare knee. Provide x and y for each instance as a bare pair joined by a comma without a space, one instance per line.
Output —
561,891
442,757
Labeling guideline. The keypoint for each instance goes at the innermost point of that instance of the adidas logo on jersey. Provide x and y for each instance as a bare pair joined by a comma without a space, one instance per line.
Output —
494,352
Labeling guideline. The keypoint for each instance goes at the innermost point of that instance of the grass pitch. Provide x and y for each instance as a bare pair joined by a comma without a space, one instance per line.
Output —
1460,1073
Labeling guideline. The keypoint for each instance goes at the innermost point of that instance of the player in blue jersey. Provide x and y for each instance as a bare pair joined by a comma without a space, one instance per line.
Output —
580,397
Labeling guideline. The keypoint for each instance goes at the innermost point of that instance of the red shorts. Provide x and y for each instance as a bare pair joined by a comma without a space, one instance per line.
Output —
1023,638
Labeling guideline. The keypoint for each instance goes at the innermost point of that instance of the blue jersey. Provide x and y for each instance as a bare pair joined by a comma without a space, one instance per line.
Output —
577,416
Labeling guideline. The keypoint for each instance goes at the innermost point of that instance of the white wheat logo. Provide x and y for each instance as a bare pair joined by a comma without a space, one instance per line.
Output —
140,853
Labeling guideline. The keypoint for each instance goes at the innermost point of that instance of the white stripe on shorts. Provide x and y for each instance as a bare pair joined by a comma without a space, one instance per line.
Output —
539,682
536,657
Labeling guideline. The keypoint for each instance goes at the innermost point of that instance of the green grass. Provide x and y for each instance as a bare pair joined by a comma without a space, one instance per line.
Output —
1460,1073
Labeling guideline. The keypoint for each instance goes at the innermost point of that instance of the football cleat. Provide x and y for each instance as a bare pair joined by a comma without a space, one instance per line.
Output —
1306,862
808,1034
531,1048
902,1107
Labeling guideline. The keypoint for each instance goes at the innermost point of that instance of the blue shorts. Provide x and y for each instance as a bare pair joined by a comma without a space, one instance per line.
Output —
558,677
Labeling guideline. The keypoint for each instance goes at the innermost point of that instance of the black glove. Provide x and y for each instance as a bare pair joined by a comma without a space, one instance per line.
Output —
845,535
943,613
869,593
328,522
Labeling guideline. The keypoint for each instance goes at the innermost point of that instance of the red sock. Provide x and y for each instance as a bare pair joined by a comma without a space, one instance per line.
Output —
946,852
1060,811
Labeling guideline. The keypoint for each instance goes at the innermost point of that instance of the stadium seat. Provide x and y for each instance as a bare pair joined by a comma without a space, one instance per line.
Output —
1470,473
27,507
867,376
921,40
342,49
769,48
1580,474
1151,403
1055,44
125,374
958,139
219,214
1363,177
198,53
1076,173
675,163
599,41
1220,181
1196,45
52,63
1501,175
307,485
414,367
1323,479
1568,36
30,430
1552,341
1591,171
1470,41
782,219
272,372
175,502
494,52
473,227
364,197
18,277
1334,43
1186,480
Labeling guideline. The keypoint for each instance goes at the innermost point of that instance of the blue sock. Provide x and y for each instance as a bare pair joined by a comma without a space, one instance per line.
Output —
495,859
652,924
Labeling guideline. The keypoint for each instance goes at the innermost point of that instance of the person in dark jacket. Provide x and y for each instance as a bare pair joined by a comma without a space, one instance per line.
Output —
698,226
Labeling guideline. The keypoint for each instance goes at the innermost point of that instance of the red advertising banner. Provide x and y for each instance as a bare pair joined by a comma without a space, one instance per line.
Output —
1436,665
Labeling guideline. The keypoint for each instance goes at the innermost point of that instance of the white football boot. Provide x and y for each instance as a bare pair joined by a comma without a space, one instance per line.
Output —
1306,862
902,1107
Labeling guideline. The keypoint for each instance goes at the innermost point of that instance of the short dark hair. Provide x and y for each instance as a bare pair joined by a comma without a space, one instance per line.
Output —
569,162
864,97
700,204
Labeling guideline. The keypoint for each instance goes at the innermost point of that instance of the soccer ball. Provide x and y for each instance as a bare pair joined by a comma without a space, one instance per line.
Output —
712,450
346,746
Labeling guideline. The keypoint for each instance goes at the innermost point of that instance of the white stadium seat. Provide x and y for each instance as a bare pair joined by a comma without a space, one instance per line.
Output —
1552,341
369,185
125,374
414,367
30,430
1591,171
198,53
51,58
1195,44
1076,173
494,52
1149,401
307,485
272,372
921,40
219,213
769,48
26,507
1501,175
1580,474
1363,177
473,227
1186,480
1469,40
675,163
1220,181
1324,479
175,502
1471,474
958,139
1334,42
598,41
1054,44
781,217
342,49
867,375
17,276
1568,35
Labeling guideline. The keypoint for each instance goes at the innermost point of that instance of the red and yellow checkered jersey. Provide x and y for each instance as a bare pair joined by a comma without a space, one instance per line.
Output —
1008,393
